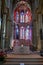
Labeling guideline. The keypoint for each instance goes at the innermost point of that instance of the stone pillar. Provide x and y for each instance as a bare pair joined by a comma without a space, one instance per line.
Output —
34,25
8,33
12,34
3,24
34,31
38,31
34,34
3,31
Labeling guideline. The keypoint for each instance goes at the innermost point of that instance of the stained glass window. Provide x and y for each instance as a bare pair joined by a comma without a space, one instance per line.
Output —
28,33
21,17
26,17
31,34
17,17
22,32
17,32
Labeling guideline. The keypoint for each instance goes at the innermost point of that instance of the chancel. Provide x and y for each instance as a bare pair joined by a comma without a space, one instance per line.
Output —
21,31
23,26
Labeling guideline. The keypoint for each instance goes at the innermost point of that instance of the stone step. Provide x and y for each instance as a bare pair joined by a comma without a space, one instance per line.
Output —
23,56
32,59
30,63
26,59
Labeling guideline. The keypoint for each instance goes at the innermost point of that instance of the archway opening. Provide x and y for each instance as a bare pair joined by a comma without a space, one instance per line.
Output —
23,26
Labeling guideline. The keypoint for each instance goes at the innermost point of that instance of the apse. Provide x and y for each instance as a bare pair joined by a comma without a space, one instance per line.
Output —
23,20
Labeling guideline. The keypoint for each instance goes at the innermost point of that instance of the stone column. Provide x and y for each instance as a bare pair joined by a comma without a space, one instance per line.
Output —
38,31
34,31
3,31
3,23
34,25
12,34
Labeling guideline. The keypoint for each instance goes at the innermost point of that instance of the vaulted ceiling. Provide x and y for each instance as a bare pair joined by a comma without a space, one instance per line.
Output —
16,1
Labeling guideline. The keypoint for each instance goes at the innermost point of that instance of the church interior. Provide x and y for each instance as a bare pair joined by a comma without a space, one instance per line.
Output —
21,31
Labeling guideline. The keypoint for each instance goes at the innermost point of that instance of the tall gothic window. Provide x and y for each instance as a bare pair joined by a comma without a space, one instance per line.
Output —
22,30
22,17
17,16
26,17
17,31
28,33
